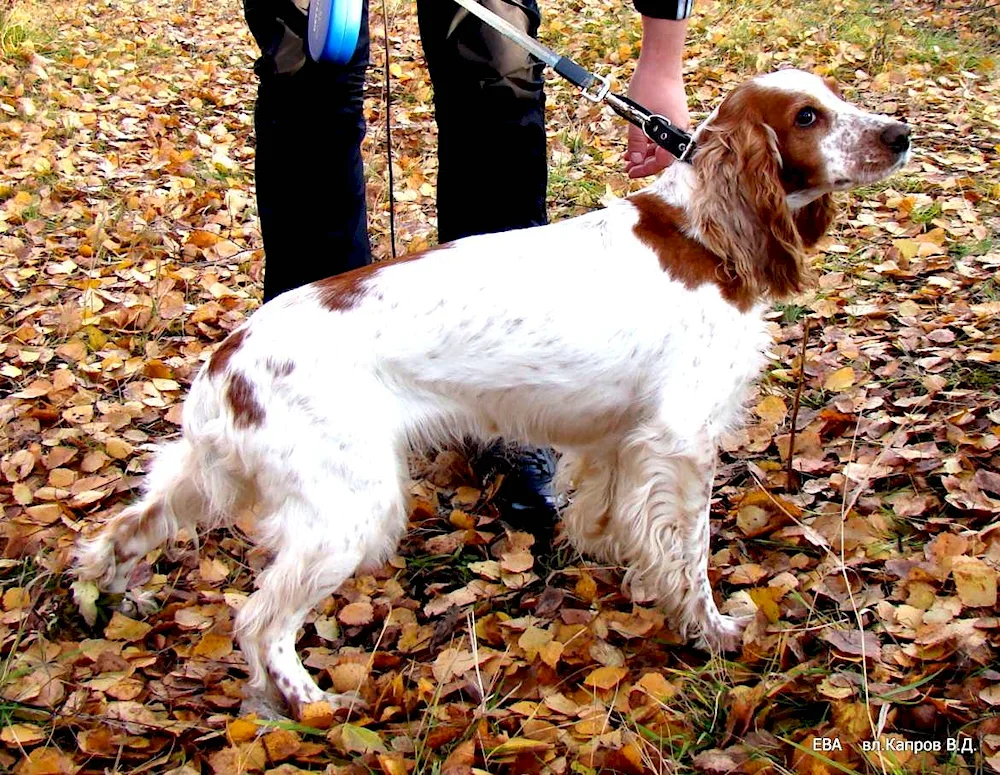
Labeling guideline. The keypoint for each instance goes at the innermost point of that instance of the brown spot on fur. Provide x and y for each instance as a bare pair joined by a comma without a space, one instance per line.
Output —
246,410
814,219
661,227
344,291
220,358
135,524
279,368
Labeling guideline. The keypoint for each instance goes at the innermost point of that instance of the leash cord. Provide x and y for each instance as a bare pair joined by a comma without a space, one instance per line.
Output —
388,132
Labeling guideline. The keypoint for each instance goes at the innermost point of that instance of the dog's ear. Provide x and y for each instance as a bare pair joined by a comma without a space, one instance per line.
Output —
814,219
740,206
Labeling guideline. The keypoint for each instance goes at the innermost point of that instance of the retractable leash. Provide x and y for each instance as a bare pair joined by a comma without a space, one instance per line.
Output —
333,37
334,26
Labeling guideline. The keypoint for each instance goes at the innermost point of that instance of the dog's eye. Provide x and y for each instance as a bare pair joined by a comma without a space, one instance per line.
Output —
806,117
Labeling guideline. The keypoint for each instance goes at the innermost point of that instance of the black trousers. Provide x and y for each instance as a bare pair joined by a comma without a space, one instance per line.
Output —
309,123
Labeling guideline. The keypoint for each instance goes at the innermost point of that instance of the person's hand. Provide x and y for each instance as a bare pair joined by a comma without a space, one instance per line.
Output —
659,95
658,85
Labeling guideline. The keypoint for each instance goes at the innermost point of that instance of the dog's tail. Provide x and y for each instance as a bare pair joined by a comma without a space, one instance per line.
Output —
182,490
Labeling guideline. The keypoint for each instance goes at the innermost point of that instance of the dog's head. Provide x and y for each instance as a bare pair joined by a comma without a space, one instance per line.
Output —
767,161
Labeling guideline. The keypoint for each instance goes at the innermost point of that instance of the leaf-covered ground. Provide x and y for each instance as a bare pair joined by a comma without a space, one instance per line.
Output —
129,246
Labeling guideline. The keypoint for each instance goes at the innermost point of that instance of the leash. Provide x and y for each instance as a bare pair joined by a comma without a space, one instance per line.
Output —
388,130
333,36
595,88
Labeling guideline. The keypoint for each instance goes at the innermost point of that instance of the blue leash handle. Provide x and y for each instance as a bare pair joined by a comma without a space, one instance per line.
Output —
333,30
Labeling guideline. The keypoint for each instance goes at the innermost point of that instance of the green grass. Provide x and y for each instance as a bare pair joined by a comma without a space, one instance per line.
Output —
790,312
14,29
975,376
988,291
924,215
980,248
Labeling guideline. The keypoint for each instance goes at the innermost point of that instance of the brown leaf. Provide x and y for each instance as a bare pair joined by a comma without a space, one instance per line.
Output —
357,614
854,643
461,760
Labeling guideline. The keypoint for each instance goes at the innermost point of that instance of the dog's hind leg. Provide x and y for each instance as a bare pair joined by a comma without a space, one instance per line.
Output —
337,517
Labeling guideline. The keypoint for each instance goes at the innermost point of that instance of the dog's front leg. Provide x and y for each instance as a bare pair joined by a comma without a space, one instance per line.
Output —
662,508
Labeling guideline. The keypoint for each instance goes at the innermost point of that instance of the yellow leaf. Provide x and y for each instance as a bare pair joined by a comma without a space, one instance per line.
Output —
975,581
771,409
594,725
212,570
392,764
280,744
348,677
605,677
907,247
213,645
586,588
46,761
766,599
240,730
551,652
17,735
532,640
122,628
656,686
203,239
319,715
840,380
117,448
361,740
518,745
16,597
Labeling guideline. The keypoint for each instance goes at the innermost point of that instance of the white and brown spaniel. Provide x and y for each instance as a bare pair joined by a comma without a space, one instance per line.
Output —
624,338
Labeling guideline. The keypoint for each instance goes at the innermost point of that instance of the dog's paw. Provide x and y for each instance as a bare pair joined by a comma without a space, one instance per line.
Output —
723,633
264,707
349,700
138,602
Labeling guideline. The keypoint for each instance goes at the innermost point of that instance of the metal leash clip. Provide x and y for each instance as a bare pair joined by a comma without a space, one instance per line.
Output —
603,84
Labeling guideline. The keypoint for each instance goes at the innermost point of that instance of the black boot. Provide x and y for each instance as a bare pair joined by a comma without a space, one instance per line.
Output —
526,499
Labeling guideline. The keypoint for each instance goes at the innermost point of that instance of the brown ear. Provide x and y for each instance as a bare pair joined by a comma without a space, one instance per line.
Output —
814,219
740,205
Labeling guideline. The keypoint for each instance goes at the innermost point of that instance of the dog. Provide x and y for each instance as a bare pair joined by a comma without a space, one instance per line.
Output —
630,352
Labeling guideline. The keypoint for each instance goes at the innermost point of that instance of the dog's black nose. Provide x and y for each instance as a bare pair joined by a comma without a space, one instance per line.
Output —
897,137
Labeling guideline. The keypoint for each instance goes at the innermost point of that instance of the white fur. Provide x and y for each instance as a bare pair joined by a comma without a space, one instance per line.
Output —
569,335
